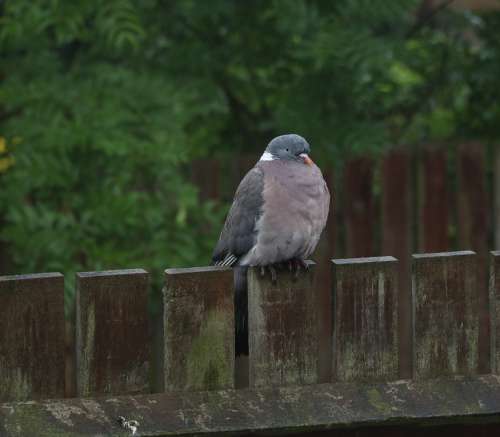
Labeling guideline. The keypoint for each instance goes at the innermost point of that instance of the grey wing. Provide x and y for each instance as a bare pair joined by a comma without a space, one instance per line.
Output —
238,235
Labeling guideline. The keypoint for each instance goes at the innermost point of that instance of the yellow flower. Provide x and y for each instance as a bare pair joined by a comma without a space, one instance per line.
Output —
5,163
3,145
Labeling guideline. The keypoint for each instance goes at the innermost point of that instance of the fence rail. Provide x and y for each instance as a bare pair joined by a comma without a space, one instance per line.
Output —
287,390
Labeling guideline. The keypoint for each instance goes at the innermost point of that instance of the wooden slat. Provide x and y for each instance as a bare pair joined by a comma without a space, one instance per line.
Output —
494,306
31,336
446,319
283,329
358,207
496,197
365,333
323,254
434,208
198,329
396,241
473,226
112,346
331,408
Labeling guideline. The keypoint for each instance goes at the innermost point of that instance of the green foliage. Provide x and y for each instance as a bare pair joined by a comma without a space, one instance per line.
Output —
104,104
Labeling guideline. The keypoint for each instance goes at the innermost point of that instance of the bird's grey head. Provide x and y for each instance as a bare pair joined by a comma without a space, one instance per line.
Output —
288,147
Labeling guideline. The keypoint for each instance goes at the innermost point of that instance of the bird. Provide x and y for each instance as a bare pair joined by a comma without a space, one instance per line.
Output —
278,213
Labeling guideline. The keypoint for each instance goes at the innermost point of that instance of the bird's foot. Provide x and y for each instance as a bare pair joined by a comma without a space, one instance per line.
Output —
272,271
295,265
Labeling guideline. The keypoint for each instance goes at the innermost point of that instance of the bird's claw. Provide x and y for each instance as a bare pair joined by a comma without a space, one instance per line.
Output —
295,266
298,265
272,271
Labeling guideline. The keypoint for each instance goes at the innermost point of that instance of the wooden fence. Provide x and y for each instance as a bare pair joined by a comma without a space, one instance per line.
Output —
288,390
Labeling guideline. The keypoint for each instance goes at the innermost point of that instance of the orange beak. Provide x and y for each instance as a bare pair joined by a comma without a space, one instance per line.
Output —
306,159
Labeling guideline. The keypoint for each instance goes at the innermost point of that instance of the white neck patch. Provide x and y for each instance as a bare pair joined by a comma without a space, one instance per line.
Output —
266,156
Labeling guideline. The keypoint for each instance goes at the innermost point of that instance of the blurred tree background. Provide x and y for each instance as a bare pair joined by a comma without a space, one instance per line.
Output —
104,105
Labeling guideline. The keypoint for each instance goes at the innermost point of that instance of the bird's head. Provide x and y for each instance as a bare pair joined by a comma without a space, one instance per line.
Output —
288,147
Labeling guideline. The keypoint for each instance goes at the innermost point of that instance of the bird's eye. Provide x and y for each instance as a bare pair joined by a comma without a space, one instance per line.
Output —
287,149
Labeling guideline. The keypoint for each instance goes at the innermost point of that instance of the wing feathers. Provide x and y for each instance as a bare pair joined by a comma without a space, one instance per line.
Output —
238,235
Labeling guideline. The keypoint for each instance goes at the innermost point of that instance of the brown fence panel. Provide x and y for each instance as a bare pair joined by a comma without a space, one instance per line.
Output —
283,329
434,208
323,254
473,228
198,329
365,334
358,207
446,315
396,241
112,345
494,304
31,336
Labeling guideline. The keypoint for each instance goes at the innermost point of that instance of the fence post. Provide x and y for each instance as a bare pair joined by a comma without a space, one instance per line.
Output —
283,326
446,315
31,336
494,306
365,315
112,345
473,225
396,240
198,329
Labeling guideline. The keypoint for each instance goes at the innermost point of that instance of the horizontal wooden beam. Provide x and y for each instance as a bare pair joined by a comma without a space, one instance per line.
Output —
294,409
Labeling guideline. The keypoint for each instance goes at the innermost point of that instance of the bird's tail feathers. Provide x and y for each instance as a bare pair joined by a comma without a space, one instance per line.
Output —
241,310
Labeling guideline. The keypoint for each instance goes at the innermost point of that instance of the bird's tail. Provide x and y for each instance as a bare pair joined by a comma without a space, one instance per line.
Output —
241,310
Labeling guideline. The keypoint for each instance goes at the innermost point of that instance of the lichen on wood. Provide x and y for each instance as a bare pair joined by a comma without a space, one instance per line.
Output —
266,411
198,329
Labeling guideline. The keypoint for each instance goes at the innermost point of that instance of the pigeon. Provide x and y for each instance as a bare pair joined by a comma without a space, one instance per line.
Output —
278,213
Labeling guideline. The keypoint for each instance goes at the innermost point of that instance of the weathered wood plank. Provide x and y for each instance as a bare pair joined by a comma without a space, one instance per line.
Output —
496,197
283,329
494,305
434,208
31,336
112,345
396,241
365,332
473,226
287,410
198,329
446,319
358,207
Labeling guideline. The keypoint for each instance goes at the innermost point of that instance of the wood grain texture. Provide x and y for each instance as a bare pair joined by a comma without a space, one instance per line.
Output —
332,408
31,336
494,305
198,329
283,326
365,330
473,225
358,207
446,318
323,289
112,345
396,241
434,207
